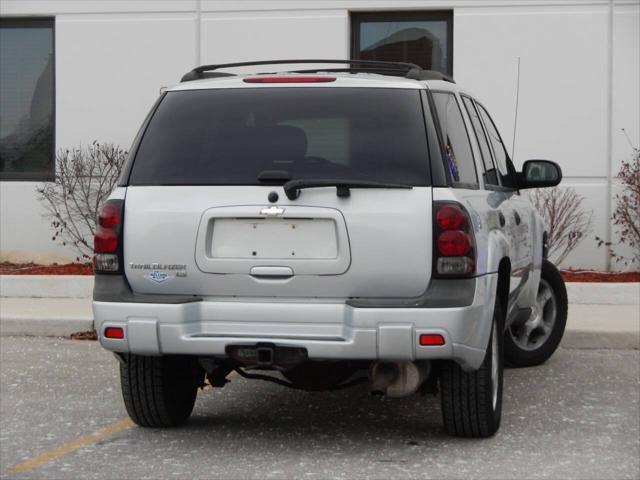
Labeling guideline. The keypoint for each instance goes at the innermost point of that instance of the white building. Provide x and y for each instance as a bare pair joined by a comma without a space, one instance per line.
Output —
77,71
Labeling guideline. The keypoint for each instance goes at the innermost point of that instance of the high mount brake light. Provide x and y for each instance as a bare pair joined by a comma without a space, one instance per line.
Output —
455,251
107,242
289,79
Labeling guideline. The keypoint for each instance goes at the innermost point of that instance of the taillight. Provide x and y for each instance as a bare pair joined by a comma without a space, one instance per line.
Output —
455,250
289,79
107,242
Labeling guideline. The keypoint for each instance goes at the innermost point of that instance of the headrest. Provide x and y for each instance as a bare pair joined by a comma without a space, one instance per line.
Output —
272,142
280,142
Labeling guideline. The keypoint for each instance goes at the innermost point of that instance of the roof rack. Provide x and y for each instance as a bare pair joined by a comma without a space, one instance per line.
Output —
399,69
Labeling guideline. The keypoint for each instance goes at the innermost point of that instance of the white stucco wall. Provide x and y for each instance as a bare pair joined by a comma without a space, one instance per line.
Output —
580,71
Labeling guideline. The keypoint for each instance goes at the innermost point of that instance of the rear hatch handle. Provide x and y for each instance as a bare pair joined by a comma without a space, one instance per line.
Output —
292,188
274,272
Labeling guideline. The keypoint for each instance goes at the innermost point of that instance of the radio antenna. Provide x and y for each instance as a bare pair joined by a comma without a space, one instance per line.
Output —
515,119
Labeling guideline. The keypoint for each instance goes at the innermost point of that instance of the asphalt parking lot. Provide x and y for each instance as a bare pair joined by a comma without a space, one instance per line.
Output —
61,416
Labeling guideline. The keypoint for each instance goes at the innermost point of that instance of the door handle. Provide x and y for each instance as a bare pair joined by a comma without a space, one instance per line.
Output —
516,217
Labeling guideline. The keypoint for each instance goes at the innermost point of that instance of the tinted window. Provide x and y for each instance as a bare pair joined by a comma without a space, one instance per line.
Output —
490,175
456,140
230,136
26,99
423,38
499,152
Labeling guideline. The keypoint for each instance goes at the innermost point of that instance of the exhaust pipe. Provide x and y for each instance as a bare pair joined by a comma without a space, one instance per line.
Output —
397,379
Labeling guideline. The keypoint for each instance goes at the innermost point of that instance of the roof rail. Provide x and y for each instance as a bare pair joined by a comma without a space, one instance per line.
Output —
402,69
419,74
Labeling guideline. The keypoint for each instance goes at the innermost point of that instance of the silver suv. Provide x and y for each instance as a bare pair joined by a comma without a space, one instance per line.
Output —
330,226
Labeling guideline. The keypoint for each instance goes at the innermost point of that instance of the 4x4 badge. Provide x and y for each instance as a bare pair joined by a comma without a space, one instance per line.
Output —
272,211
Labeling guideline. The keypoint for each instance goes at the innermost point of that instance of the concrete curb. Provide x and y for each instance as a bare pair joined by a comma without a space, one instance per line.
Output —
603,293
21,326
81,286
588,326
589,339
27,326
46,286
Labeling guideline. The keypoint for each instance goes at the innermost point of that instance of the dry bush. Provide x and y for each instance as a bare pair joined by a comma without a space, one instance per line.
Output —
85,176
567,222
626,216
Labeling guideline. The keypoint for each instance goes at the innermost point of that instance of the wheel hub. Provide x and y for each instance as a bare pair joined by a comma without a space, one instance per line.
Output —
534,333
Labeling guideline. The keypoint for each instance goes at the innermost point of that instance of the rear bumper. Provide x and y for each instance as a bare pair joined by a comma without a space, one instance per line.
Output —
335,331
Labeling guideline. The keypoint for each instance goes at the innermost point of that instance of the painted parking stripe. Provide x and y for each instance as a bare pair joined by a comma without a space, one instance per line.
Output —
77,444
72,446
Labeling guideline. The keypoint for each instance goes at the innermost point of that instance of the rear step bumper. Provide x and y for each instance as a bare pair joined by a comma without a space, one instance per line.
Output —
335,331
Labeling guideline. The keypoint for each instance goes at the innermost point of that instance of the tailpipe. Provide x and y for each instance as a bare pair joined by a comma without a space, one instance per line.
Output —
397,379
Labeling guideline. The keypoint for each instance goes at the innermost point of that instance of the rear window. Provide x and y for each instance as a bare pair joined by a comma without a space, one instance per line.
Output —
230,136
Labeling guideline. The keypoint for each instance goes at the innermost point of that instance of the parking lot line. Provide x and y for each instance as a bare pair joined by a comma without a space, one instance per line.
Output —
72,446
77,444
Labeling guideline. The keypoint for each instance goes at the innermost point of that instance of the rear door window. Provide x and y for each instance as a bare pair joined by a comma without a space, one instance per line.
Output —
499,151
231,136
456,141
490,175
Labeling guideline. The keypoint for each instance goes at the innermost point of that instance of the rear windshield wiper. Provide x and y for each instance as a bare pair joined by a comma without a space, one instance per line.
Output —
292,187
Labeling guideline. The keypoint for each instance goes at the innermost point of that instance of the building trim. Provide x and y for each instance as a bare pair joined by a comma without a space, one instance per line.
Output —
609,139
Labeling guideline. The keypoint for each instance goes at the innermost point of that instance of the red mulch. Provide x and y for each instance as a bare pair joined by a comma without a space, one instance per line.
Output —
88,335
591,276
8,268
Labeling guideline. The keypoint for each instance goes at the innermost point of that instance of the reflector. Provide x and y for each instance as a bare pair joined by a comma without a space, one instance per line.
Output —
114,332
431,339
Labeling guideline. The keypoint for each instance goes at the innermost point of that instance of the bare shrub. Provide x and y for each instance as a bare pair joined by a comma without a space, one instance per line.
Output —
85,176
626,216
567,222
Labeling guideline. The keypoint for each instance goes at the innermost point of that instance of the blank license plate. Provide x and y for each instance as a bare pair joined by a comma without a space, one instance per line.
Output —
304,238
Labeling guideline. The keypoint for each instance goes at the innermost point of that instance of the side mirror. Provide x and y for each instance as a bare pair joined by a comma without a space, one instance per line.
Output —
539,174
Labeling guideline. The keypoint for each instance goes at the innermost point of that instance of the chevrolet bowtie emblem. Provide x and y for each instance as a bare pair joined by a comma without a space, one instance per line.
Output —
272,211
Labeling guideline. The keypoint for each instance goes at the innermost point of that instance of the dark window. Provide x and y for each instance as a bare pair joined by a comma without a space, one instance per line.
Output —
423,38
499,151
490,174
455,138
26,99
230,136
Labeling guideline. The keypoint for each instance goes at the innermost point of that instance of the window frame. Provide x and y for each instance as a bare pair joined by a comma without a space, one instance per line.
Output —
357,18
452,182
491,160
37,22
510,170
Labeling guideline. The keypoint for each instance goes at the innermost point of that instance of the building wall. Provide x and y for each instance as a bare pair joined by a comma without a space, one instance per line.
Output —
579,77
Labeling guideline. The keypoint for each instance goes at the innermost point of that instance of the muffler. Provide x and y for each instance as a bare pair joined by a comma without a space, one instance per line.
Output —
398,379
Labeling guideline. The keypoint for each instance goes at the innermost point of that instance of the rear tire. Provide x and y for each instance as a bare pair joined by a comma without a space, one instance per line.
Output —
159,391
472,401
533,342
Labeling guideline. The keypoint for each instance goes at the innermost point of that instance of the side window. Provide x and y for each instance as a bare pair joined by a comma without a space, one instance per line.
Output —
456,140
490,174
499,152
